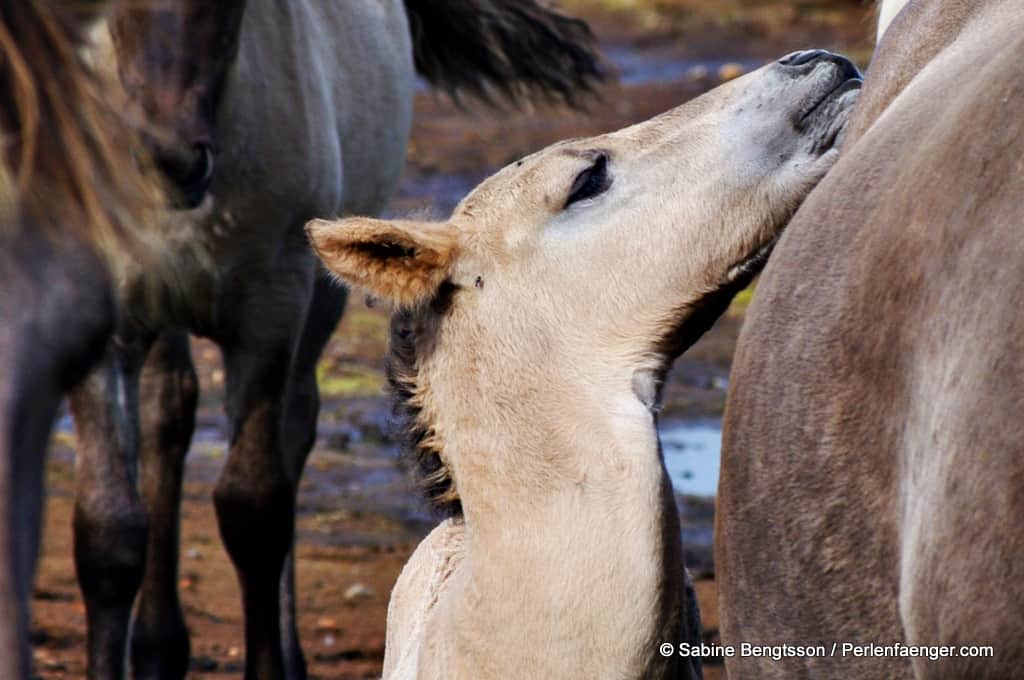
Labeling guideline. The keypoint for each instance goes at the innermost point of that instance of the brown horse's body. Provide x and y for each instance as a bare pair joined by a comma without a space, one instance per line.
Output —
873,462
261,115
68,197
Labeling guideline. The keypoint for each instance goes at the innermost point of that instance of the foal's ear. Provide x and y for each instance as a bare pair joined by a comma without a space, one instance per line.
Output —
400,261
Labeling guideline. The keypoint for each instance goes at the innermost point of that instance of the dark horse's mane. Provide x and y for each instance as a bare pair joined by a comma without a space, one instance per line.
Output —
66,168
412,334
516,49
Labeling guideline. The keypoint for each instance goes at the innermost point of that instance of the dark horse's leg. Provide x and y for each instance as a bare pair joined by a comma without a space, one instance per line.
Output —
299,435
26,413
110,521
27,408
254,497
168,394
56,313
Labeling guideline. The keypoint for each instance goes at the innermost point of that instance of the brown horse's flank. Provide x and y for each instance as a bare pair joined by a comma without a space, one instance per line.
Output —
871,476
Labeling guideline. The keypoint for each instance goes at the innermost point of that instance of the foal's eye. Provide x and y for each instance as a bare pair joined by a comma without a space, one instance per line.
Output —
591,182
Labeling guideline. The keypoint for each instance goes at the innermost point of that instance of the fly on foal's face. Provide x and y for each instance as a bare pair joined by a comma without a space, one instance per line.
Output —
173,59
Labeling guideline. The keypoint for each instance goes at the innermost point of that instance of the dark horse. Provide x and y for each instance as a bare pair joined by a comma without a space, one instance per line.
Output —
261,115
69,218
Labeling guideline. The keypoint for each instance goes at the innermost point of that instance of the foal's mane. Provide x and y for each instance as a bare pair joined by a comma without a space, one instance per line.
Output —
413,332
65,164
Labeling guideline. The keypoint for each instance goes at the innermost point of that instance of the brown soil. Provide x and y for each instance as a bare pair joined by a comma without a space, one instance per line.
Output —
342,638
350,532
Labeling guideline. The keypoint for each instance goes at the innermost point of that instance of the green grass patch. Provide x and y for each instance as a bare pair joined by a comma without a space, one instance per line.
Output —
739,305
347,379
64,439
366,323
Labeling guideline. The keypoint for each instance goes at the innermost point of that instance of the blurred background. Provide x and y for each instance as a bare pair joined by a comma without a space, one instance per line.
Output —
359,519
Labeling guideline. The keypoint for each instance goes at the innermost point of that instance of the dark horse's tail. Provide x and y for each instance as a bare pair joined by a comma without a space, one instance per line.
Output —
65,167
516,49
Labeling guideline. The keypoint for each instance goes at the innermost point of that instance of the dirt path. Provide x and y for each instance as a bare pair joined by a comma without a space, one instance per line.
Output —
344,584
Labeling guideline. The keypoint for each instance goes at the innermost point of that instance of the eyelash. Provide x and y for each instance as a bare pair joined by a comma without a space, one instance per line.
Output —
591,182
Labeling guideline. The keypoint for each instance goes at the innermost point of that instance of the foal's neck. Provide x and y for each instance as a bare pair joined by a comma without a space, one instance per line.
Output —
572,537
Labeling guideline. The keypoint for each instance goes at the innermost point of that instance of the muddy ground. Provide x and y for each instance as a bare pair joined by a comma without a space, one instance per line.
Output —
359,520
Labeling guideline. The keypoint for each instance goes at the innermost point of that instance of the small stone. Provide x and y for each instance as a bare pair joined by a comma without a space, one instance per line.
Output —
47,661
194,554
357,591
698,73
327,624
189,580
730,71
339,440
234,652
329,640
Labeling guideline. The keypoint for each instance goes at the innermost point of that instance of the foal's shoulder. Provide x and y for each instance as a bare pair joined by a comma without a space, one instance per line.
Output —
419,587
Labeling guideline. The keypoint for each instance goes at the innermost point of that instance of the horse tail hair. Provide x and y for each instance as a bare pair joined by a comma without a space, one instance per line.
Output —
67,167
516,49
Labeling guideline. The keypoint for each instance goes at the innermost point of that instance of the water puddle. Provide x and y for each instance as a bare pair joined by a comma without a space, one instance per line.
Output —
354,473
636,66
691,450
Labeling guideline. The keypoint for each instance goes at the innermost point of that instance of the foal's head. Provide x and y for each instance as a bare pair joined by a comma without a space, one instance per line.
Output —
576,275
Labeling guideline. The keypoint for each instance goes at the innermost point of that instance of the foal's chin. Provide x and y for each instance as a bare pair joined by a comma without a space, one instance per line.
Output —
820,139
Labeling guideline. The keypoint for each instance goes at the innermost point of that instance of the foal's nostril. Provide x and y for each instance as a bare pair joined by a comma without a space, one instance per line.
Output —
810,58
805,57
